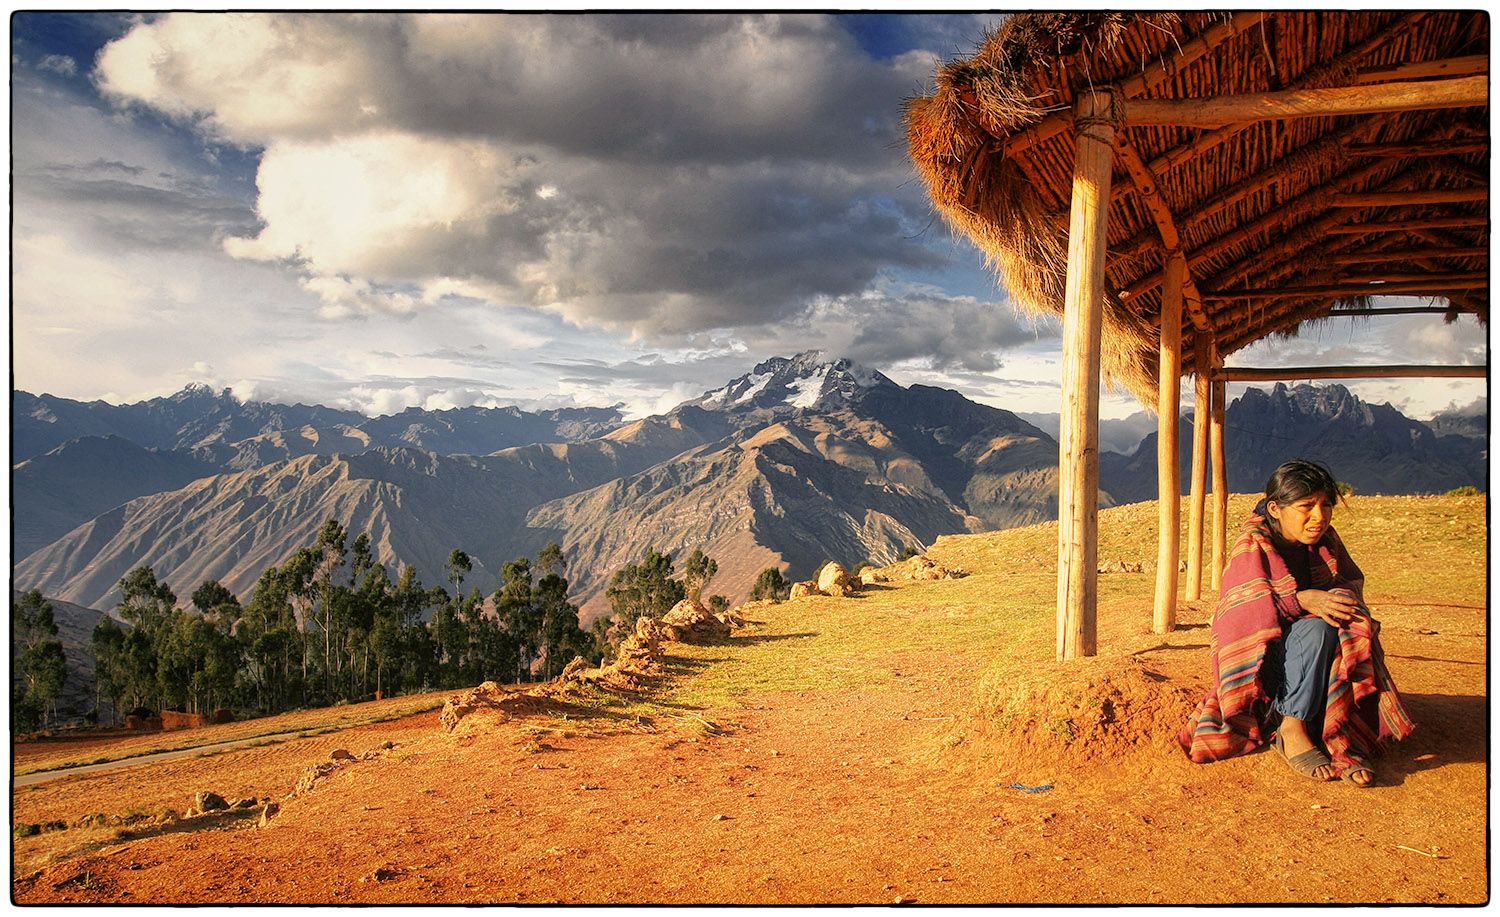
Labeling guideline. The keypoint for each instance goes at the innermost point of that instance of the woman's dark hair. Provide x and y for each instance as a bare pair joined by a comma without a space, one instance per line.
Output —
1300,478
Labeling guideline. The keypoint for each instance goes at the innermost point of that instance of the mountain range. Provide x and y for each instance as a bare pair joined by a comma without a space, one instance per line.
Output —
801,460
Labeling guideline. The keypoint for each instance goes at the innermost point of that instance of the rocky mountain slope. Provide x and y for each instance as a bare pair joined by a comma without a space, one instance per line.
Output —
800,460
416,507
77,460
1373,447
58,490
221,429
828,460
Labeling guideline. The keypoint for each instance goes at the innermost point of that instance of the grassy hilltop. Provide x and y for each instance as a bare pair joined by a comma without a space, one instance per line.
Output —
914,744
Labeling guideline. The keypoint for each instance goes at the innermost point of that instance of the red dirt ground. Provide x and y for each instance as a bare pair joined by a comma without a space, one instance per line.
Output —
830,796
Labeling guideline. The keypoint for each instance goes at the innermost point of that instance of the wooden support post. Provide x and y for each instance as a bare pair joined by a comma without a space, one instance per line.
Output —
1168,464
1221,476
1078,440
1201,411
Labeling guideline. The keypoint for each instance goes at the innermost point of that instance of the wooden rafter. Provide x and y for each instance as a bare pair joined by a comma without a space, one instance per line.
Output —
1301,243
1149,78
1314,77
1419,148
1408,254
1376,311
1453,66
1365,229
1322,149
1455,166
1308,245
1436,285
1252,374
1161,214
1408,198
1313,200
1287,315
1334,101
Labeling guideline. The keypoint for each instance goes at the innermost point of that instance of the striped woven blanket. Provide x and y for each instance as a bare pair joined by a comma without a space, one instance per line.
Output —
1363,710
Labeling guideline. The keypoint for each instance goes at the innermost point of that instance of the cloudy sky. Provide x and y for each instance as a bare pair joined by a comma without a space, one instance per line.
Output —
376,211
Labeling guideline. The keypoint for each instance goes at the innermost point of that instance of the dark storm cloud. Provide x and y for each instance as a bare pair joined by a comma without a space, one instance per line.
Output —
695,374
656,88
133,214
662,174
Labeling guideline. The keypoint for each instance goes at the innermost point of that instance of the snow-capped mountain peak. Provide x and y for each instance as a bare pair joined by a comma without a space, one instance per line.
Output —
807,381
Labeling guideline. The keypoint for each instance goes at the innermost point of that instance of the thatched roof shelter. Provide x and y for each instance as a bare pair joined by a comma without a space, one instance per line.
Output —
1273,168
1280,220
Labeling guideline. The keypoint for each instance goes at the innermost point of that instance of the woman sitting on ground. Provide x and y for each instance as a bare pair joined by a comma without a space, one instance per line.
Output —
1296,656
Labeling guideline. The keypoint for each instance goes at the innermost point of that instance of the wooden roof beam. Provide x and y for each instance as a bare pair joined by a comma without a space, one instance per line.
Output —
1387,371
1420,148
1453,66
1407,198
1296,244
1283,321
1320,150
1434,285
1446,239
1313,200
1317,75
1455,166
1148,79
1409,254
1334,101
1249,325
1372,311
1307,245
1365,229
1146,185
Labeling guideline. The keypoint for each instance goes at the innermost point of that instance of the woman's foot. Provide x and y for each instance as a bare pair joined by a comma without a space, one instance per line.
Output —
1360,774
1301,754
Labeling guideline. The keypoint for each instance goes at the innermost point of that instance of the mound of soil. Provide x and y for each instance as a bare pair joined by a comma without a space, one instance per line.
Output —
1079,714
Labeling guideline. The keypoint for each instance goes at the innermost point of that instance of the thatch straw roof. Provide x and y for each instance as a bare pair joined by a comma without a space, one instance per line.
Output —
1298,205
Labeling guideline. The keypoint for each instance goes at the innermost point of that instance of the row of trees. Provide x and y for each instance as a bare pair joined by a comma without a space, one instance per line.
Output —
330,625
39,661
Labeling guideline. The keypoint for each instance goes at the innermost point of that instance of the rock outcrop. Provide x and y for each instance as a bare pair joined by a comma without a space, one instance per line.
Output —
834,580
690,622
920,568
804,589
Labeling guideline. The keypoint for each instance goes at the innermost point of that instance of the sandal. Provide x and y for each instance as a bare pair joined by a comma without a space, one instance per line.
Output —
1359,767
1306,763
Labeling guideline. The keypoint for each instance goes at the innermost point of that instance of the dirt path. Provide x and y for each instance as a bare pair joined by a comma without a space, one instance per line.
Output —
825,796
31,779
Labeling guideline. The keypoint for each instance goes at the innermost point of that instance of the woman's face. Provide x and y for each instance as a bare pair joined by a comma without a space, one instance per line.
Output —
1304,520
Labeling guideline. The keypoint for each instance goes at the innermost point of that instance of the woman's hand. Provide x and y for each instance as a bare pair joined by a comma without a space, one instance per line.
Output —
1332,607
